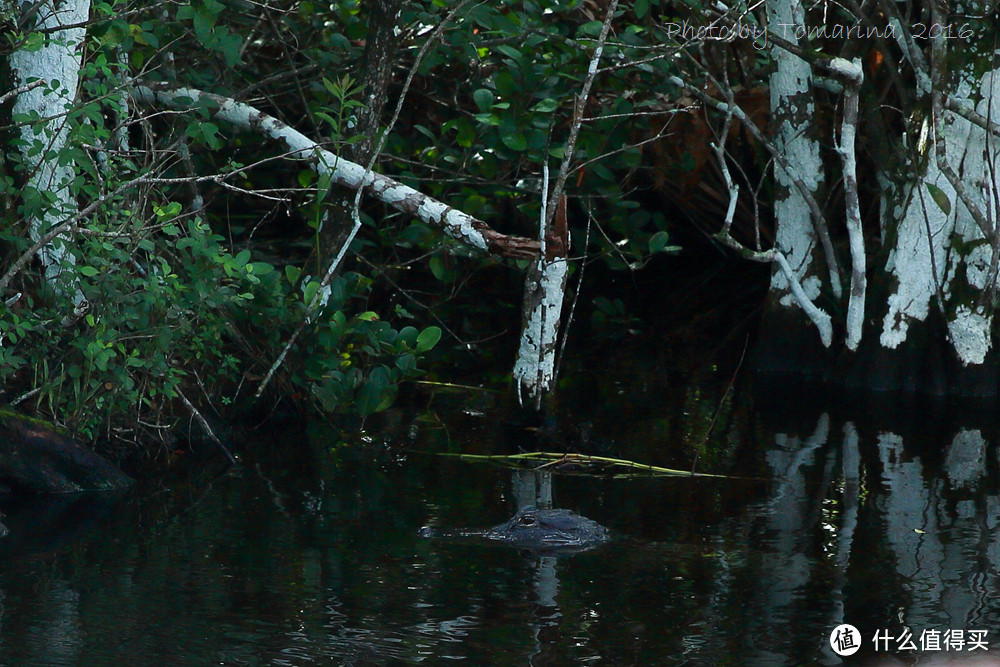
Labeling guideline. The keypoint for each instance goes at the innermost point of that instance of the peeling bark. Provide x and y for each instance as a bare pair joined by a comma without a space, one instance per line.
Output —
456,224
57,61
544,295
534,371
787,343
945,247
793,111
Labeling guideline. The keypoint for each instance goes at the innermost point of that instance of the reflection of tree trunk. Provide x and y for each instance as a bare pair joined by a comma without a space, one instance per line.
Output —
376,74
851,468
532,488
783,567
932,524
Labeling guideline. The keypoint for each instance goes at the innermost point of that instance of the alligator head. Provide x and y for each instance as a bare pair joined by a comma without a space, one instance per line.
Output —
543,531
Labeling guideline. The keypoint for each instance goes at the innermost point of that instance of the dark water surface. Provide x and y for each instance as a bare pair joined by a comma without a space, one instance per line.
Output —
885,515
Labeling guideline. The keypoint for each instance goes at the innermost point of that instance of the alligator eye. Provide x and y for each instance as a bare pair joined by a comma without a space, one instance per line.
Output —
527,520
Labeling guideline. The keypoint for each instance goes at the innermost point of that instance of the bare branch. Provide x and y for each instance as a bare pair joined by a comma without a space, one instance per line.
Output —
22,89
817,315
581,104
816,213
454,223
854,75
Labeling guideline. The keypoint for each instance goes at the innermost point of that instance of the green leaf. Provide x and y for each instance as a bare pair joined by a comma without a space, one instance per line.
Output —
658,241
940,198
203,24
483,98
515,141
428,338
330,120
229,46
407,363
506,85
466,133
408,335
168,211
641,8
438,268
548,105
309,292
509,51
89,271
602,172
425,131
488,118
372,393
338,323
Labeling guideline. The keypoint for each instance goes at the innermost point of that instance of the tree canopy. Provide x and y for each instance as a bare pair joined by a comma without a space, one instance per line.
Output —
182,234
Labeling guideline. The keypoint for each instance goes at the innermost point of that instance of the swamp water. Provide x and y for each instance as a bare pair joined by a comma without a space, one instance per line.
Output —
884,515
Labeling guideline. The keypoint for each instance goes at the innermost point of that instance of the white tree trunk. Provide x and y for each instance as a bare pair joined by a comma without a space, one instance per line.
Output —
58,62
793,110
545,290
941,251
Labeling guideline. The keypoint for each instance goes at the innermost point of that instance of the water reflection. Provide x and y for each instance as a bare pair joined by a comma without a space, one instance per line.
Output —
309,554
906,545
942,532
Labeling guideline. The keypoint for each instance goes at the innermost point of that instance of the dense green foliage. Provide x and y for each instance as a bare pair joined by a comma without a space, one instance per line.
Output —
201,301
174,306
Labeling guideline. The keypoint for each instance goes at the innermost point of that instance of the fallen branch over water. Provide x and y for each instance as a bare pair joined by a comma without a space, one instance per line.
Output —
580,464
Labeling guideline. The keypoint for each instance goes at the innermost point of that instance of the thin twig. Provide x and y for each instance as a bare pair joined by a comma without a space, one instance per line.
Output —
722,401
204,425
22,89
578,111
